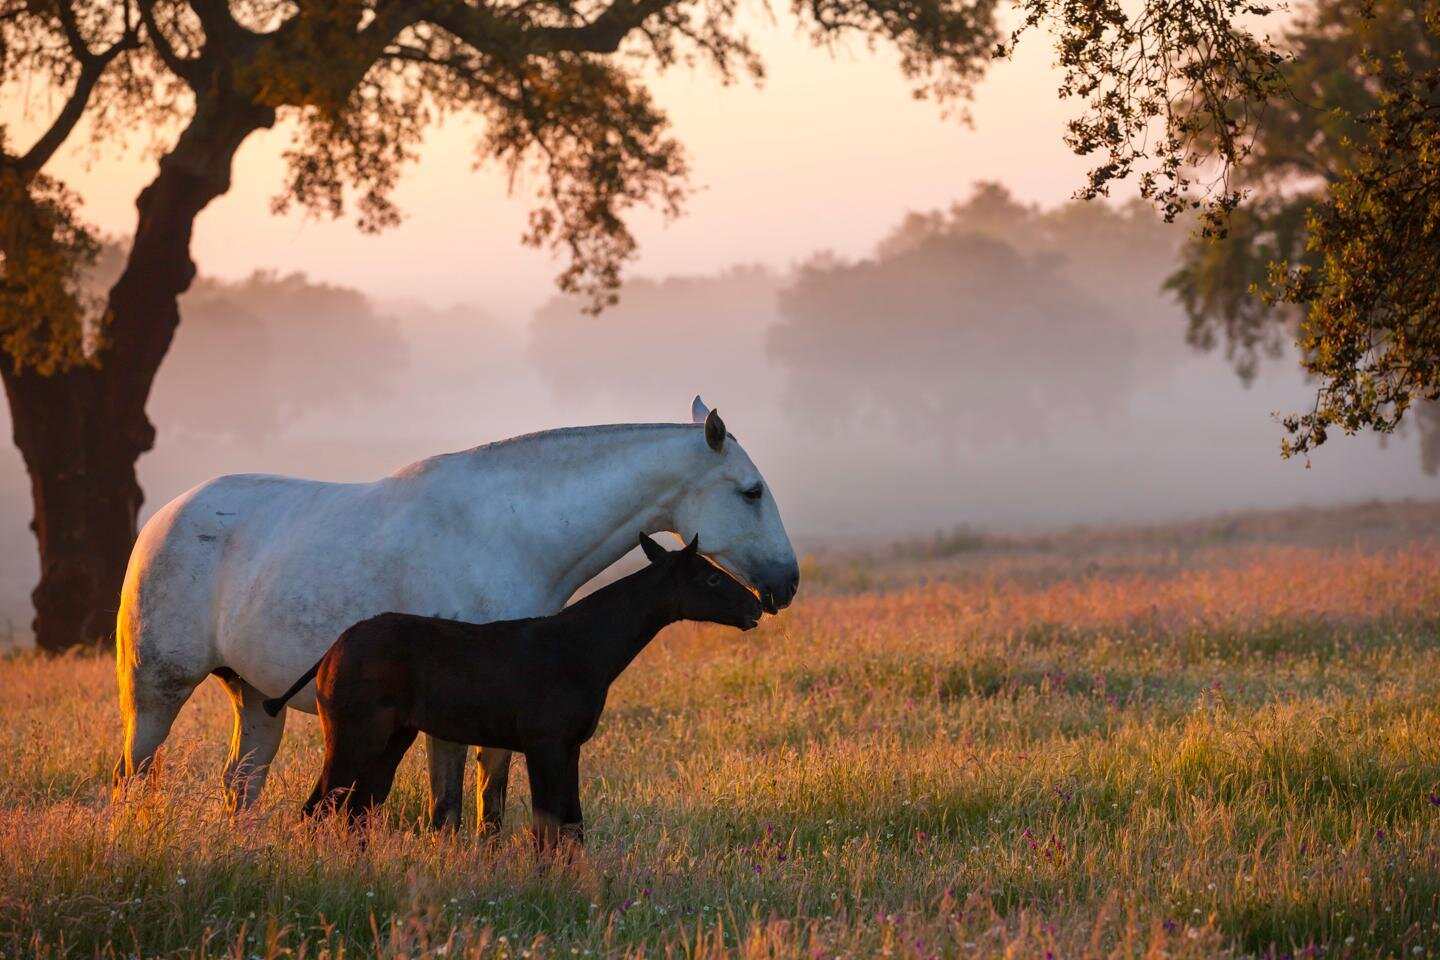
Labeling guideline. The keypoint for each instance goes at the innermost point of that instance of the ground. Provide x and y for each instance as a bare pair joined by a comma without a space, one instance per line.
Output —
1203,739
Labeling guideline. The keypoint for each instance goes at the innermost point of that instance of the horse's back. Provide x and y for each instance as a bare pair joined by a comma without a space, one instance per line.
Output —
189,551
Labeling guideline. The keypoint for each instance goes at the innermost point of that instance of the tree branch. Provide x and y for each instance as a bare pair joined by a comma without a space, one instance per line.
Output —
92,67
78,46
483,30
186,69
217,21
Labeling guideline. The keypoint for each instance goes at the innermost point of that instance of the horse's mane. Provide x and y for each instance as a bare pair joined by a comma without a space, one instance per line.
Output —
524,440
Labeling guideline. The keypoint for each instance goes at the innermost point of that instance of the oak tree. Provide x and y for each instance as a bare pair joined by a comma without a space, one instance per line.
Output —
1337,246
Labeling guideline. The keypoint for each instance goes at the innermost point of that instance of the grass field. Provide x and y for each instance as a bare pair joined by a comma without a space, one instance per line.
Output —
1201,740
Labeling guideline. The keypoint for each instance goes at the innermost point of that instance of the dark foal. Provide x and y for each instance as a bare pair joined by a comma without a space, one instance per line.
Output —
537,685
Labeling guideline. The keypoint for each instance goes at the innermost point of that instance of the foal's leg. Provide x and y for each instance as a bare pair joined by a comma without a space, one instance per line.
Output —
493,767
353,745
341,771
373,786
253,743
555,794
446,761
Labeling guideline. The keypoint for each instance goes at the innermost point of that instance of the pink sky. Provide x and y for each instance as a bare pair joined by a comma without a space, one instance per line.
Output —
828,154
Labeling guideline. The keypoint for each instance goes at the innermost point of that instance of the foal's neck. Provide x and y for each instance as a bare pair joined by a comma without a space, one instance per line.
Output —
616,622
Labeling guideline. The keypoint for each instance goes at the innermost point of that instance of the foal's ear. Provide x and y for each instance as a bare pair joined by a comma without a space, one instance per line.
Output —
653,550
693,547
714,430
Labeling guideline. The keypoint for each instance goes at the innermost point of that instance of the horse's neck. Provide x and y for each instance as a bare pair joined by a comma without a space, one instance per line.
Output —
577,499
616,622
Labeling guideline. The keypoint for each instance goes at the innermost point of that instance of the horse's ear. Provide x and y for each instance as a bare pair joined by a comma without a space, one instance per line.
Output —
698,410
693,547
653,550
714,430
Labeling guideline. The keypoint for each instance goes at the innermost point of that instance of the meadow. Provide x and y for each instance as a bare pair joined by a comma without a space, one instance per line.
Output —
1208,739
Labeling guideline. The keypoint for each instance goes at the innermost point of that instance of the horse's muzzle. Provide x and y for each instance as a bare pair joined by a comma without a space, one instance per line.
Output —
777,593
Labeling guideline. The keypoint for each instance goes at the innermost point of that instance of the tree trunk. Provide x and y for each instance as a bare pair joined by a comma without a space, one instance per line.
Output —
82,430
80,453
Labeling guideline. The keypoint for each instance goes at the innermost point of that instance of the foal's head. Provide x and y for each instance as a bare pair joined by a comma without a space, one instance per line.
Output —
703,590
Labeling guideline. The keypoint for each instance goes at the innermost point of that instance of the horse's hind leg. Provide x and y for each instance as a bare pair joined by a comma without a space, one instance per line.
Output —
493,765
150,698
446,761
253,743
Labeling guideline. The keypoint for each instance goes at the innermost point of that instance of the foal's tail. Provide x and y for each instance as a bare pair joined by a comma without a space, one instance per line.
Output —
274,705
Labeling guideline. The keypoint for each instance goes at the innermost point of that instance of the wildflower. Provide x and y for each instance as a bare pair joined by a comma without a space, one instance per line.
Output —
1434,799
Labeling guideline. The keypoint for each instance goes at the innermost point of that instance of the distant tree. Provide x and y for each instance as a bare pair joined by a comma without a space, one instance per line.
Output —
271,329
1111,251
971,323
665,337
558,86
1337,250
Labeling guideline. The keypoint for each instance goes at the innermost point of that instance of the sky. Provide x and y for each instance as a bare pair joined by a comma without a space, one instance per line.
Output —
825,154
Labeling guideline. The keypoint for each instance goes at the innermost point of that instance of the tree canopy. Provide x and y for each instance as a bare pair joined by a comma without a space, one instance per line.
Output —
1337,248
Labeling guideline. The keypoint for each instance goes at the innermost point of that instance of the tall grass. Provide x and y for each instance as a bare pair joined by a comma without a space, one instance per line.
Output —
1235,759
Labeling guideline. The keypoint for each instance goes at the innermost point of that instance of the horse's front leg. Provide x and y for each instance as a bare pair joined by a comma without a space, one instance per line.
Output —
493,766
447,781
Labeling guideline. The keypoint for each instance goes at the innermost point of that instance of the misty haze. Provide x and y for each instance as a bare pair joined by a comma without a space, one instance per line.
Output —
993,365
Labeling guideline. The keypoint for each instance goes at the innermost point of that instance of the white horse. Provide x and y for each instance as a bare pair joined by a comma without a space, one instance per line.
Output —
250,578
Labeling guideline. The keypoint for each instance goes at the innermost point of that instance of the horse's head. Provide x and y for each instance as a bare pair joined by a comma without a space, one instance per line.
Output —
730,506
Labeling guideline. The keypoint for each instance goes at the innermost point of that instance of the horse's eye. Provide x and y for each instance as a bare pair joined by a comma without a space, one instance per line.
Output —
714,580
753,493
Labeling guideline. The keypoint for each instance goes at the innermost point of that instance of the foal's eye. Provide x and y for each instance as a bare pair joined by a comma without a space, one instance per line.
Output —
753,493
714,580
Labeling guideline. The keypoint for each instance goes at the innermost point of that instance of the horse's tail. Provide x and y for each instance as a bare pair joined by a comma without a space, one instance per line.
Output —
274,705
